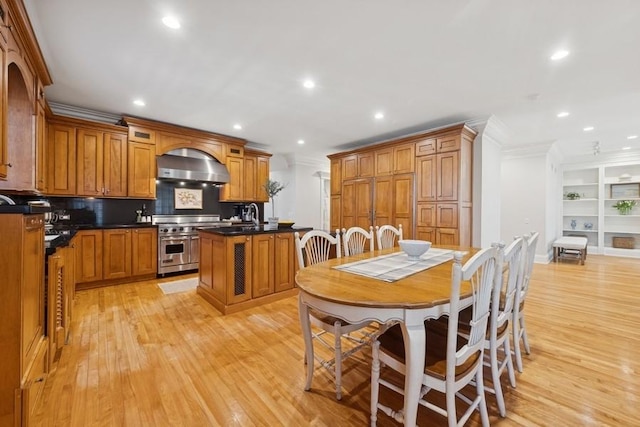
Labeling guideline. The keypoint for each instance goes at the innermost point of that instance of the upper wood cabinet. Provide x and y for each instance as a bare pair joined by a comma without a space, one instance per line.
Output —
256,174
61,156
233,191
101,163
142,171
336,176
359,165
41,149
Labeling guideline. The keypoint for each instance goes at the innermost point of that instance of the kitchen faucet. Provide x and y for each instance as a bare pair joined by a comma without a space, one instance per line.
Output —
255,218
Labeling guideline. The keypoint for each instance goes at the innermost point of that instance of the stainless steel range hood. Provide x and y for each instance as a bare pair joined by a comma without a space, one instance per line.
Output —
187,164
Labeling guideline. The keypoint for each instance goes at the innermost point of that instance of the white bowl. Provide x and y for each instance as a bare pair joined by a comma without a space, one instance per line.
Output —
414,248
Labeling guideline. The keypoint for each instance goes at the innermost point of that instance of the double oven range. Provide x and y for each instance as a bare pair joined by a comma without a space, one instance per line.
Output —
178,241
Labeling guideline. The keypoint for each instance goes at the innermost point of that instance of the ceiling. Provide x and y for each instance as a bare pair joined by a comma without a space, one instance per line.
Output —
424,63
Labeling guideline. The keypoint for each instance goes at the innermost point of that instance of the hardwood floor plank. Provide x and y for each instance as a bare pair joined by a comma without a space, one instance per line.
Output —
139,357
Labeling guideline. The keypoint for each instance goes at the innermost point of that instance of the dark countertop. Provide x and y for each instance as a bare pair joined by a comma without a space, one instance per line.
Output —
250,230
24,209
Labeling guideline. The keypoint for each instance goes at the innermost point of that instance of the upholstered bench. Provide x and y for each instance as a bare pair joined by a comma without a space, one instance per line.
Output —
570,247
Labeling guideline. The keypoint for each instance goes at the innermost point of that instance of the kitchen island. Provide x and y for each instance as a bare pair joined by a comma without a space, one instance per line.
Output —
246,266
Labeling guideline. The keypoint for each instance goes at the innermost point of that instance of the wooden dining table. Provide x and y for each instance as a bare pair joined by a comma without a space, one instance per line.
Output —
355,298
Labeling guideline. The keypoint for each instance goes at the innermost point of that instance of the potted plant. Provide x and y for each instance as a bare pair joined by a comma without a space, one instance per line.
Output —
624,206
272,188
572,195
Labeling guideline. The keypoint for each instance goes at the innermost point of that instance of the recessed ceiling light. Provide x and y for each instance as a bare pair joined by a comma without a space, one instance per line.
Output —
301,141
559,54
237,126
588,129
563,114
378,116
139,102
309,84
171,22
626,148
632,136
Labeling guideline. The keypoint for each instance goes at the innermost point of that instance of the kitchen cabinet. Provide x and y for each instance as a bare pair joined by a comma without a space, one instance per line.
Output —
61,291
116,252
443,174
101,163
233,191
284,270
22,314
242,271
116,255
395,181
89,258
144,251
41,148
4,160
263,264
336,176
141,177
61,156
256,174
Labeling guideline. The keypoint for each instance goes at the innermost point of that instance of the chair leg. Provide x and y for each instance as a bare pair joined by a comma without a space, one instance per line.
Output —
516,345
509,362
495,376
375,381
452,416
338,362
523,329
484,413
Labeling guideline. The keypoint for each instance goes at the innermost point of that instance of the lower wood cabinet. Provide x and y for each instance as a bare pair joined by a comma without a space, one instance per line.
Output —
23,343
238,272
116,254
60,295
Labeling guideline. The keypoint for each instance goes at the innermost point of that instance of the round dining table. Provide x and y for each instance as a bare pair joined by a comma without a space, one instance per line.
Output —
356,298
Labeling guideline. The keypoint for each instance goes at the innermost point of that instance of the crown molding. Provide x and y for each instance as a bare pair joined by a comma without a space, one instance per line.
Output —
527,150
83,113
299,160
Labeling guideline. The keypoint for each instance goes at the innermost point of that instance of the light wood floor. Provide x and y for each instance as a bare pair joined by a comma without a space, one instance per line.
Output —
138,357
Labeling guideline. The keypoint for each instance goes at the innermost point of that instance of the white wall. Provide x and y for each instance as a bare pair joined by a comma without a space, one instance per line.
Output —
301,200
487,147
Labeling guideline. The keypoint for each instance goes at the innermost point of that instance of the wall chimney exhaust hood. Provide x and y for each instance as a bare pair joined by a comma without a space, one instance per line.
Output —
186,164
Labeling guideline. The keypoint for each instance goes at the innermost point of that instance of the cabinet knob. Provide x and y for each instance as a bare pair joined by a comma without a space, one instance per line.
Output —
271,237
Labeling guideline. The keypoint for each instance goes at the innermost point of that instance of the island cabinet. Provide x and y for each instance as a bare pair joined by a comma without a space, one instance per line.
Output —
23,340
247,270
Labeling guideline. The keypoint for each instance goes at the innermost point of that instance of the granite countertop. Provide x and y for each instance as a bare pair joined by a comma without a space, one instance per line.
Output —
250,230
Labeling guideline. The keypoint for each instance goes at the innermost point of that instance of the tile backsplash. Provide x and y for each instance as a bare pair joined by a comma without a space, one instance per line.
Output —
123,211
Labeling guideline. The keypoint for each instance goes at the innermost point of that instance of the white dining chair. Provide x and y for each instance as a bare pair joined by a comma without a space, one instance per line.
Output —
313,247
451,362
356,240
518,326
387,235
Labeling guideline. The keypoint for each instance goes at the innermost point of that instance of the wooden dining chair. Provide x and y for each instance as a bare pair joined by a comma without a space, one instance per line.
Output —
387,235
313,247
519,327
356,240
451,362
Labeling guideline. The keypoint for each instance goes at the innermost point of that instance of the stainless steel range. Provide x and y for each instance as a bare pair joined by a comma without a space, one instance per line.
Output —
178,241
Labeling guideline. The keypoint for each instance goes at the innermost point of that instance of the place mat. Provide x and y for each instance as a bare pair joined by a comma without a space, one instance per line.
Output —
396,266
179,285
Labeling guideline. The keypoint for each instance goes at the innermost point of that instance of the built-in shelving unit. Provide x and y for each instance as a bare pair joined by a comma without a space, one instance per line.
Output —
592,214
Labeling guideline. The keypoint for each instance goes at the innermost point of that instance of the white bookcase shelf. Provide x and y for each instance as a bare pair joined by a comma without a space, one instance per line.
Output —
595,208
